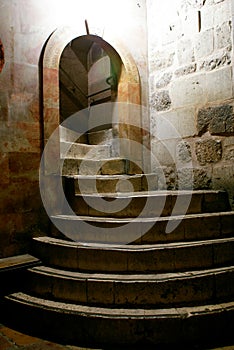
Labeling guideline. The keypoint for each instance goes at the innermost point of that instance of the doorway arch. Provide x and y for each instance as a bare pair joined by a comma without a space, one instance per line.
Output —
128,90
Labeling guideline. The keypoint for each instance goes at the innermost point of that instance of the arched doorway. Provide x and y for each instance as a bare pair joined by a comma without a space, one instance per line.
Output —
127,89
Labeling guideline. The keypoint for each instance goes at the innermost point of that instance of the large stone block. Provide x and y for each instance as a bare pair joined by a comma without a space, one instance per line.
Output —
188,90
218,120
223,35
222,11
207,17
174,124
208,151
185,51
164,152
219,85
204,44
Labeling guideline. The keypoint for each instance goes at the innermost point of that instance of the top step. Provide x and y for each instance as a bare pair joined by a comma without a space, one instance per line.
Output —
81,150
102,136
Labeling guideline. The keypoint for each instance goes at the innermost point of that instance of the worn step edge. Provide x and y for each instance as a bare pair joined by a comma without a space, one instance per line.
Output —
149,203
114,277
135,258
149,230
141,219
105,166
131,290
112,183
17,262
76,150
91,325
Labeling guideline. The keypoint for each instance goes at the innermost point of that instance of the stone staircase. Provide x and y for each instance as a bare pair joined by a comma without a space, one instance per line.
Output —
146,267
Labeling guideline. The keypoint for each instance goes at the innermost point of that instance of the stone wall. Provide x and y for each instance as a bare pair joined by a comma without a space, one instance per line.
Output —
191,93
25,26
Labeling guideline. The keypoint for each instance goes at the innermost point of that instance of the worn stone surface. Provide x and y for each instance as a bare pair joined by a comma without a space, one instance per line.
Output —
161,100
188,90
163,80
174,124
208,151
219,84
194,178
218,120
183,151
160,60
167,177
216,61
186,70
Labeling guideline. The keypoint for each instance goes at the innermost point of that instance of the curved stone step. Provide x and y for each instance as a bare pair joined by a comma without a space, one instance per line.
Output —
91,326
131,290
142,230
149,203
169,257
80,150
69,135
102,136
112,183
110,166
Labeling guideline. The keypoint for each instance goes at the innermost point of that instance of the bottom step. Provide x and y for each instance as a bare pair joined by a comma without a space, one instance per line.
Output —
91,326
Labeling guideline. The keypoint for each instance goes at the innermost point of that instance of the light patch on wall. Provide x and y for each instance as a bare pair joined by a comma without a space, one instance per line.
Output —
2,60
100,15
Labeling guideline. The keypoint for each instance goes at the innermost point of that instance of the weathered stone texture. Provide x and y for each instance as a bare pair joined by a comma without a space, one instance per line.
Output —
183,151
186,70
204,44
160,60
223,35
197,4
219,84
216,120
208,151
164,80
194,178
218,60
229,155
161,100
167,178
171,178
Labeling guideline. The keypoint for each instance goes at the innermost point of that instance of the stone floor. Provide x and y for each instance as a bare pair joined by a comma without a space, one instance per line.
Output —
11,339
